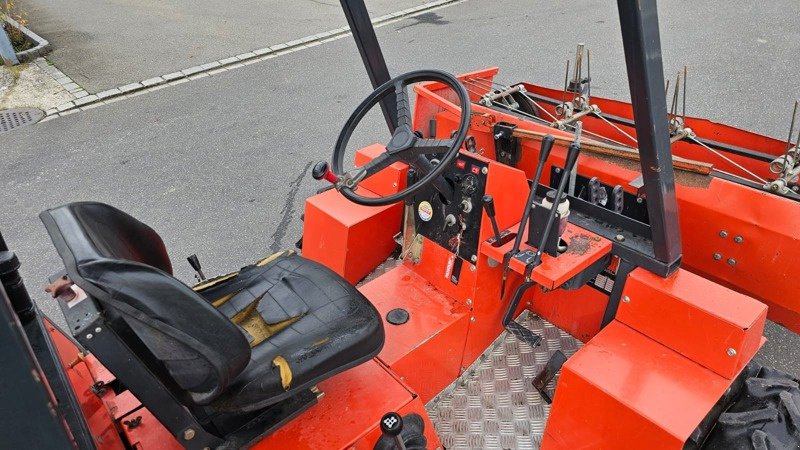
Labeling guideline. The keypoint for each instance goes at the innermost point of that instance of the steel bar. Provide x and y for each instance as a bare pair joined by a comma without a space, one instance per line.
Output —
642,44
371,54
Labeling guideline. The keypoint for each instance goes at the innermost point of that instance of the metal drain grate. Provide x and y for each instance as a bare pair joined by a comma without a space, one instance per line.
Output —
11,119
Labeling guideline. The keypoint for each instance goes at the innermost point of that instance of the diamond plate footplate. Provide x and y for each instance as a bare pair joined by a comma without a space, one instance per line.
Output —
494,404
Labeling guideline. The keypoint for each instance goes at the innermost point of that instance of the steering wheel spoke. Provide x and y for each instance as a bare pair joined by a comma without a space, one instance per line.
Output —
428,146
359,174
403,105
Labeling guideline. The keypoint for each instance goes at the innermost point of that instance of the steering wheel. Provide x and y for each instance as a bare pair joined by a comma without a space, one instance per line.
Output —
405,145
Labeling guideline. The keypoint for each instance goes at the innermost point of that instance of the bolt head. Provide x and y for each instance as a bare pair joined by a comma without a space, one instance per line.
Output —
89,336
472,319
188,435
626,299
723,234
472,268
485,170
639,200
97,330
469,302
473,258
731,352
738,239
717,256
619,238
731,262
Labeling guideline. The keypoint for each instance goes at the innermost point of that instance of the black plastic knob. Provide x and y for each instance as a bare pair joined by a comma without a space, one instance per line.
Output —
194,261
319,170
488,205
391,424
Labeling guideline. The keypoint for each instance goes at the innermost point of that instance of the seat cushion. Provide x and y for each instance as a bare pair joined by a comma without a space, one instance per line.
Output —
315,320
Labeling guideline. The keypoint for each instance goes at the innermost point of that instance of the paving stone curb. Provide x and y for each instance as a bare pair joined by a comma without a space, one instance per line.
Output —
85,101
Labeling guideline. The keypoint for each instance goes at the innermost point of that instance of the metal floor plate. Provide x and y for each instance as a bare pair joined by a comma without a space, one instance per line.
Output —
494,404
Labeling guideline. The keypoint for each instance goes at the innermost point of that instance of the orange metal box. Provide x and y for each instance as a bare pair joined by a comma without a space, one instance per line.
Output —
706,322
624,390
350,239
426,351
354,402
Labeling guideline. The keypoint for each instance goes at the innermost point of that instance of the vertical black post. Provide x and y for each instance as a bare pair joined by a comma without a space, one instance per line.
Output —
640,38
30,418
371,54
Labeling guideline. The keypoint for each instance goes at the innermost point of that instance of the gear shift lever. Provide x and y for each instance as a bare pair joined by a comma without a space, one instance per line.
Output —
391,427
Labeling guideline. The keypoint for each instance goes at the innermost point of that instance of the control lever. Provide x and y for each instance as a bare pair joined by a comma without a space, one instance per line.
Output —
488,205
322,171
508,322
544,153
194,261
391,427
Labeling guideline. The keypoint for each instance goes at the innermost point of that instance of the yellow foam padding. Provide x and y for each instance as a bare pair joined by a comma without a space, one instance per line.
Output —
251,320
213,282
222,300
220,279
273,257
286,371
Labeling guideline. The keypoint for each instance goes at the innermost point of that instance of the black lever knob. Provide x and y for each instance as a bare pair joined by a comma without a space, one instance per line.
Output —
194,261
544,150
322,171
488,205
391,424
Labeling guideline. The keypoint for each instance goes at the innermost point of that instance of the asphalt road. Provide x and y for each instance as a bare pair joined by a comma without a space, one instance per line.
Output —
105,44
219,166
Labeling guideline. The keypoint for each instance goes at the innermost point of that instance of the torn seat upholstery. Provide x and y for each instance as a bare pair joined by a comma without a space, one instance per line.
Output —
238,343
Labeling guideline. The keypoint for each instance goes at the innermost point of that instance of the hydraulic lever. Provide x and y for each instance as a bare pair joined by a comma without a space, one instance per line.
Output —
194,261
544,153
508,322
488,205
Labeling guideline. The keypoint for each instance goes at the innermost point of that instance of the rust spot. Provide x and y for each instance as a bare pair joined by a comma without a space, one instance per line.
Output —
579,245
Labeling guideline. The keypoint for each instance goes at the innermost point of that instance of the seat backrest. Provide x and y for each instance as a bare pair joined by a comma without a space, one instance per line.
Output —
123,265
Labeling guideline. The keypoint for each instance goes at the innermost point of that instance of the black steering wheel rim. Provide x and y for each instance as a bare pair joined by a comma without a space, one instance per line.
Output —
456,141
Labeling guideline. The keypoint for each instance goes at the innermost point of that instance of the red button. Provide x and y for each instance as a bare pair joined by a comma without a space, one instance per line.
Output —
461,163
475,169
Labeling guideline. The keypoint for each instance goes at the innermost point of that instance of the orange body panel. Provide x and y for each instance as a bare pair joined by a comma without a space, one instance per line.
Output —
426,351
767,224
81,377
578,312
583,249
354,402
708,323
623,390
149,434
349,239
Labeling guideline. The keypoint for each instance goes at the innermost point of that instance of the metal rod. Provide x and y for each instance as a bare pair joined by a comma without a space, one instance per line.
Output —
685,77
572,157
789,139
642,45
364,34
544,153
566,83
589,75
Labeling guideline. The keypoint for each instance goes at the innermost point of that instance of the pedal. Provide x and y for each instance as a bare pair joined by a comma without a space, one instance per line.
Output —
549,372
524,334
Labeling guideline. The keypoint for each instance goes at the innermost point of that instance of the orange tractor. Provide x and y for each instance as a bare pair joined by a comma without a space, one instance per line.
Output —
463,286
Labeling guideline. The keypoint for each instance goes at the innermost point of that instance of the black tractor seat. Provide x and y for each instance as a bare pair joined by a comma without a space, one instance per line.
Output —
235,344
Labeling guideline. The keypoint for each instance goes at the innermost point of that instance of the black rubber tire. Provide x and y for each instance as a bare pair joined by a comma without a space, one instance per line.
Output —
764,415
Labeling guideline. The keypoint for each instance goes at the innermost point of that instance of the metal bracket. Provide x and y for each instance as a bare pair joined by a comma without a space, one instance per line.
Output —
507,147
